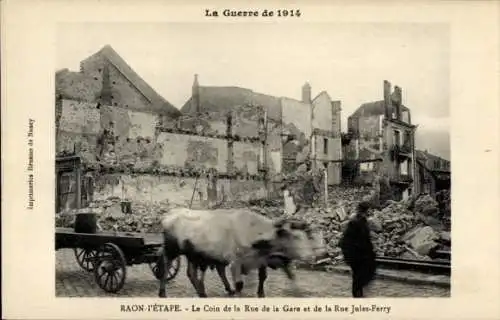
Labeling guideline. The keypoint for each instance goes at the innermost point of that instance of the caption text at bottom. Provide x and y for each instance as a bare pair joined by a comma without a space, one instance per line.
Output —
344,308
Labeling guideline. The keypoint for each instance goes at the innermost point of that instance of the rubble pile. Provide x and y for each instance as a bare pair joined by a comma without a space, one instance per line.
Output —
329,219
445,200
444,204
348,198
144,217
389,225
411,229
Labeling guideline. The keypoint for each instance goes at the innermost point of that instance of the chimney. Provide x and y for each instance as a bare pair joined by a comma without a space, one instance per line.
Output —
336,108
195,94
306,93
387,99
337,105
398,97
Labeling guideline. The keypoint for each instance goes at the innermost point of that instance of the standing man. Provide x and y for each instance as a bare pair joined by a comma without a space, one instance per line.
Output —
290,207
357,250
212,188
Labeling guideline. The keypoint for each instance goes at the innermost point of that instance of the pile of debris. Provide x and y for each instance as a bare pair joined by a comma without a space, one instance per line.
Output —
444,203
143,218
388,226
410,229
444,200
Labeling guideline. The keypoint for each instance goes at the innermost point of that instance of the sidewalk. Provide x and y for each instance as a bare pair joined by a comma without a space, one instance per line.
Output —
411,277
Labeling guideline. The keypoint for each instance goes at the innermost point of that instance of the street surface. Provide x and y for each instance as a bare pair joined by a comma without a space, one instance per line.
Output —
72,281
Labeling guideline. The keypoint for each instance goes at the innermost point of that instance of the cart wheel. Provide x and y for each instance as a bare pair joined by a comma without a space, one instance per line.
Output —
85,258
111,268
171,272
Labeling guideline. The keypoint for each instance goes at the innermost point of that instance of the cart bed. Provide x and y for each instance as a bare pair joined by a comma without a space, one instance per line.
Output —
68,238
108,253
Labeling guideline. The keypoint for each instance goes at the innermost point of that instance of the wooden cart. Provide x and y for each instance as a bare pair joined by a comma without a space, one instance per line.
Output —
107,254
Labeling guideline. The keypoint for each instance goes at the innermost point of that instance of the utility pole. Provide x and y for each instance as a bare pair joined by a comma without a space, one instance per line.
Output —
230,143
263,147
326,186
313,140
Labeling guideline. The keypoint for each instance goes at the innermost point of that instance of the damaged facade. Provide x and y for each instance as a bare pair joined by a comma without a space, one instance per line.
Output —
433,173
104,112
382,143
106,106
117,127
107,113
297,130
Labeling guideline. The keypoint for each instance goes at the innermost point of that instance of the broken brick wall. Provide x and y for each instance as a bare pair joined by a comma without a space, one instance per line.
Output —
367,146
121,91
297,113
322,113
190,150
77,86
246,155
78,126
178,190
137,142
135,132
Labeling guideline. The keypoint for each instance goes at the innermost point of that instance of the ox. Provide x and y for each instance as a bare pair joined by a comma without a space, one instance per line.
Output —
240,238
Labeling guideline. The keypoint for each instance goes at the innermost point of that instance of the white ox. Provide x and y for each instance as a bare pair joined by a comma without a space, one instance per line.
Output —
238,237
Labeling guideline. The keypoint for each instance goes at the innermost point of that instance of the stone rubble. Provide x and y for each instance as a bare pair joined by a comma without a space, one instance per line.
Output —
408,229
145,217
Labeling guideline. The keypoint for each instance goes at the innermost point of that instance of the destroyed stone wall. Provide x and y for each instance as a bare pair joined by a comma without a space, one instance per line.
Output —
122,92
245,121
274,147
147,188
142,124
79,117
81,123
298,113
333,152
128,140
370,127
66,141
78,125
246,154
322,112
182,150
246,157
77,86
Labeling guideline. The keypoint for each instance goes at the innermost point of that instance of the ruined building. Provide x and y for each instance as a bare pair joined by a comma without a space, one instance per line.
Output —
103,112
296,129
105,99
433,173
382,143
118,138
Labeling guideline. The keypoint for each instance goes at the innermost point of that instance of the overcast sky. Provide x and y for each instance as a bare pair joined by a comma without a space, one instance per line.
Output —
349,61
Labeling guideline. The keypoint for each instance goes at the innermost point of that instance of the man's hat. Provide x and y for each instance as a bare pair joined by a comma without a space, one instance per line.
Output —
364,206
